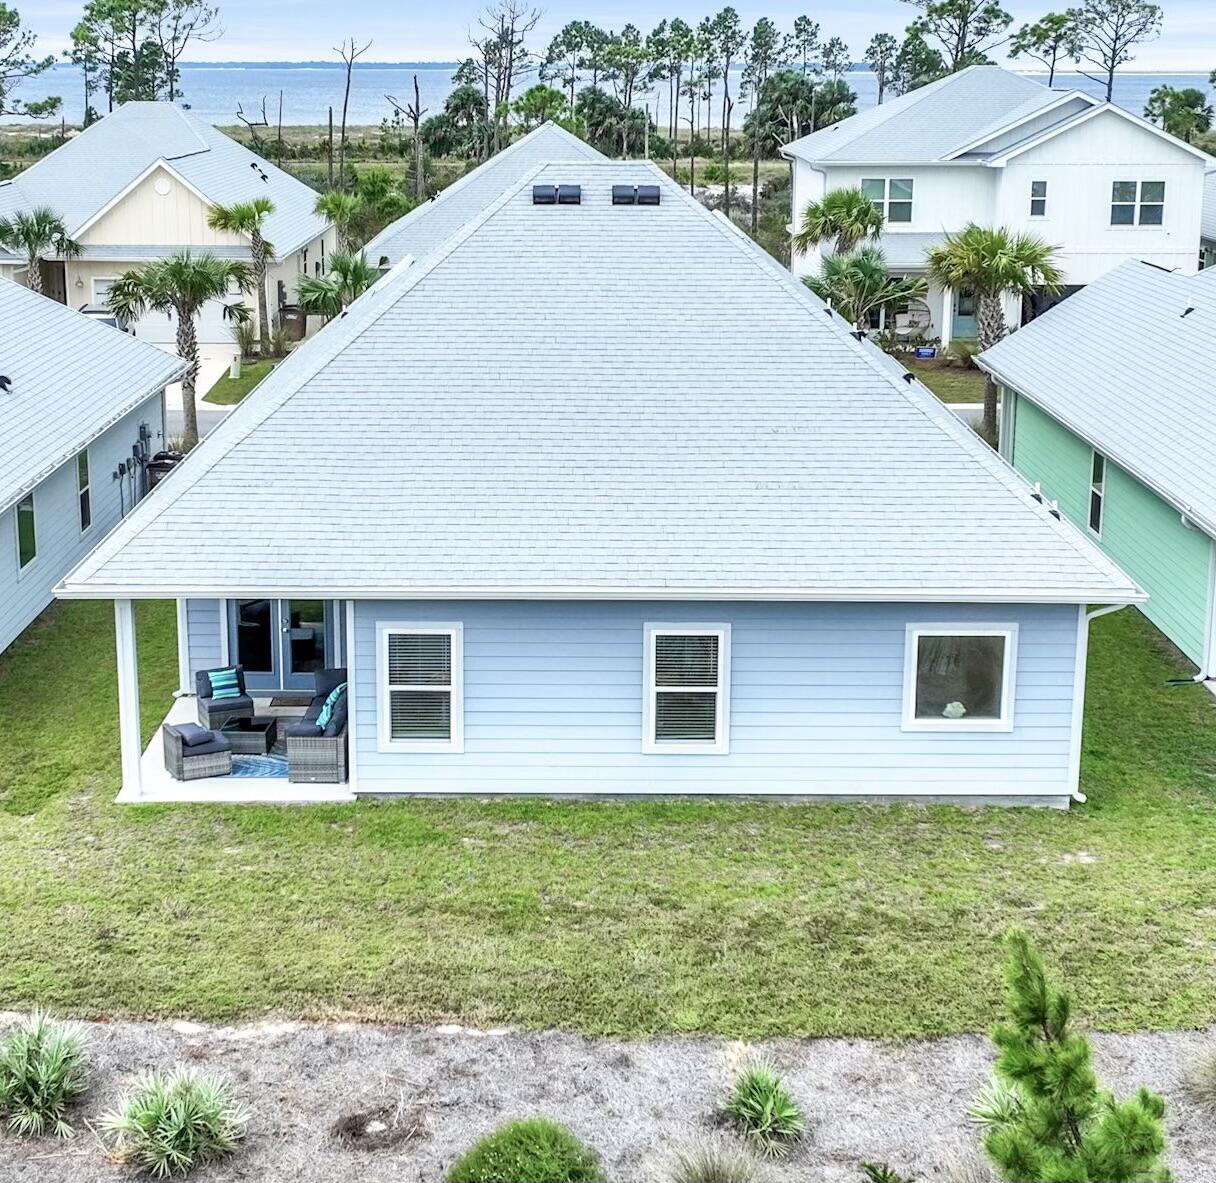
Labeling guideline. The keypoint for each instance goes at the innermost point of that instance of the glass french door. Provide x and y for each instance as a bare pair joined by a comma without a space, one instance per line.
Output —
280,643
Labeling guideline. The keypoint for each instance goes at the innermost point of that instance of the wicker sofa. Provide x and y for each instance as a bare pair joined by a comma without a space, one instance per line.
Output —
192,753
213,712
315,754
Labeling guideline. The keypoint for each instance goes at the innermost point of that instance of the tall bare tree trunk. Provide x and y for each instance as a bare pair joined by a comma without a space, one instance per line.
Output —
258,243
187,347
991,328
33,274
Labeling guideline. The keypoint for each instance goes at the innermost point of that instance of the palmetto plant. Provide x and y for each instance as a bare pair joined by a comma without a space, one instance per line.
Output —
764,1111
993,262
858,283
180,285
248,218
348,277
845,217
36,233
41,1073
342,210
168,1125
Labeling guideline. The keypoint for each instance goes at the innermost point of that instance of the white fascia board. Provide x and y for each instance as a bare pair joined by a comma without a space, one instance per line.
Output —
1065,97
720,595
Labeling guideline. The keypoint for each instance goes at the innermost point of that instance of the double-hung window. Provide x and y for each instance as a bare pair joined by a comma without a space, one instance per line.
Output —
27,532
1137,203
1038,199
959,677
687,693
1097,492
83,494
892,197
420,682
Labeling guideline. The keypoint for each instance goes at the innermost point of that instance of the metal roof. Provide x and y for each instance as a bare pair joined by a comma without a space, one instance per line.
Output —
595,401
1121,366
72,377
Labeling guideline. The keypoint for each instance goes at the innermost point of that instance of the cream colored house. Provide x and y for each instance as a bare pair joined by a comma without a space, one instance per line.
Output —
137,186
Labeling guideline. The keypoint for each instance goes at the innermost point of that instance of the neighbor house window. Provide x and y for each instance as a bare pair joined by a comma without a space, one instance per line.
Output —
687,702
82,490
959,677
420,676
27,534
1038,199
1137,203
891,196
1097,492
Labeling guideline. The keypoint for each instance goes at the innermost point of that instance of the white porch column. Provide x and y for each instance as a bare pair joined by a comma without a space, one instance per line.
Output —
183,651
352,700
947,326
128,697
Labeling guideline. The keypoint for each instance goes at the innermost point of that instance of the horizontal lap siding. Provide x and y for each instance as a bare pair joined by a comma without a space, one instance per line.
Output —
61,545
203,630
1142,533
553,703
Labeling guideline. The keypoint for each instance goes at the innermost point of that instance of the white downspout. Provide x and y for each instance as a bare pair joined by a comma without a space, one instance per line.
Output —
1078,694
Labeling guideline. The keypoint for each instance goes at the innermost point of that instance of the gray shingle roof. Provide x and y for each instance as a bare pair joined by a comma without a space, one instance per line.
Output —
424,229
72,377
1121,366
928,124
595,401
84,175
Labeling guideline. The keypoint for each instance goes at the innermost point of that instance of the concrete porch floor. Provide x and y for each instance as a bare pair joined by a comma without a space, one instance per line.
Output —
157,786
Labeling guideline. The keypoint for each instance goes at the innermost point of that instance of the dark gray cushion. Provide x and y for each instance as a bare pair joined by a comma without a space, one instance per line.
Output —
326,680
243,703
314,708
218,744
337,720
193,735
305,730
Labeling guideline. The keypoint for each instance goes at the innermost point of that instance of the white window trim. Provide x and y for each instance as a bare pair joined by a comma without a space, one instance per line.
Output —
911,649
1043,199
385,742
88,488
23,571
720,745
885,204
1100,491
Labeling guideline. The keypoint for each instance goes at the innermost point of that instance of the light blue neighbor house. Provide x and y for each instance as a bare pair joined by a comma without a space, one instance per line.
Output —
594,497
81,414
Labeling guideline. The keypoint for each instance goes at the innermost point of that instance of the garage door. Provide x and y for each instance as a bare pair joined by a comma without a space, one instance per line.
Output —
161,328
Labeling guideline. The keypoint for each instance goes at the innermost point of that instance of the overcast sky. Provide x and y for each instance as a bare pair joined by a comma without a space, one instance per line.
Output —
406,30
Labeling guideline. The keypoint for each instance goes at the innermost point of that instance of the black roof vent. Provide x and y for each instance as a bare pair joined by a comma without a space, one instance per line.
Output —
648,195
544,194
624,195
5,383
569,195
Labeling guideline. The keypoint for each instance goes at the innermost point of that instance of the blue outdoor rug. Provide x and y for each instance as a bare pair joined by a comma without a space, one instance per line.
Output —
267,766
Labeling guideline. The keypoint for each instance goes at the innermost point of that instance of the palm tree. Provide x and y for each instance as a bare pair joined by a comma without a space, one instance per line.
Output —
180,285
248,218
859,283
846,216
993,263
340,209
349,276
35,233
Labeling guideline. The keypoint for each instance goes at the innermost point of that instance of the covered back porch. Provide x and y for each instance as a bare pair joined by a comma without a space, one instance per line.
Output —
253,753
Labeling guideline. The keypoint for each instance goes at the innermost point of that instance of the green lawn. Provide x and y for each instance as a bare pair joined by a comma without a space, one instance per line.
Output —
231,390
952,384
748,919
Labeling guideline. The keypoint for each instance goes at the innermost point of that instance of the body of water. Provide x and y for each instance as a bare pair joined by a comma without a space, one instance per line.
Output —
213,92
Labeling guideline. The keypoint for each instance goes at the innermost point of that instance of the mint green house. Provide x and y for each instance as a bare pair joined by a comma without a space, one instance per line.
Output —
1109,408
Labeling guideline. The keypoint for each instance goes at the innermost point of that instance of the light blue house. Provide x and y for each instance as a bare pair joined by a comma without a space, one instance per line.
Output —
81,413
595,497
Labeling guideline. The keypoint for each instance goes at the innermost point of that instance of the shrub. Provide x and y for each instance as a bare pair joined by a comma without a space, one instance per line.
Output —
532,1150
711,1162
170,1124
245,334
1057,1123
880,1172
764,1110
1200,1080
41,1074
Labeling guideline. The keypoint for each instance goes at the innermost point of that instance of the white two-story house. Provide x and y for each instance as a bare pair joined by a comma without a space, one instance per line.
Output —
999,149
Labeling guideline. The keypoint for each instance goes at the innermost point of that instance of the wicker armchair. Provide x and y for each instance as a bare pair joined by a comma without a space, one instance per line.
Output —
213,713
316,759
186,762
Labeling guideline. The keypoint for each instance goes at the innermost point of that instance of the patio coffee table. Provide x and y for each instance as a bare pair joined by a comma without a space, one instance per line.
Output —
251,737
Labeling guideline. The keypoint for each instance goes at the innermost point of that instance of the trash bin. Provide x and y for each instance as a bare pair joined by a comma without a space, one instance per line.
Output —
294,321
161,465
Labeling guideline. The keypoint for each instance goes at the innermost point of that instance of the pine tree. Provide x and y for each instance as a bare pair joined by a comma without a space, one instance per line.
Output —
1047,1119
